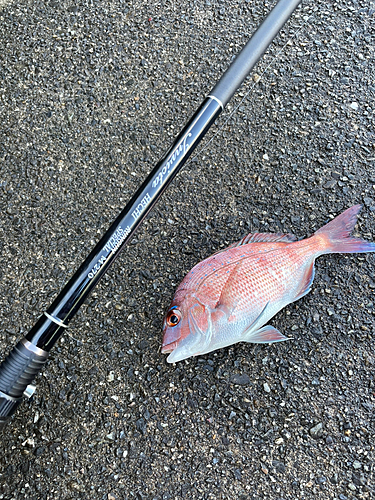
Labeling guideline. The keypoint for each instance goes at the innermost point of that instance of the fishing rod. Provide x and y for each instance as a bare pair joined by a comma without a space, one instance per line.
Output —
26,360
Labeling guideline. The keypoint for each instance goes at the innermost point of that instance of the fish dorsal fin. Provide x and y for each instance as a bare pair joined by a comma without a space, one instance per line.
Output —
260,238
265,237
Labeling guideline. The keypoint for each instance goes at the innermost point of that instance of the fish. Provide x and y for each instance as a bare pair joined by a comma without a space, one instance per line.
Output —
230,296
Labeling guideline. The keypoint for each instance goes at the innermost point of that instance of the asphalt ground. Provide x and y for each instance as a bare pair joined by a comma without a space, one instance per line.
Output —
91,95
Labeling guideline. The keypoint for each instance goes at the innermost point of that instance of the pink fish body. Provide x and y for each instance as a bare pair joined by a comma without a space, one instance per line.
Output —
230,296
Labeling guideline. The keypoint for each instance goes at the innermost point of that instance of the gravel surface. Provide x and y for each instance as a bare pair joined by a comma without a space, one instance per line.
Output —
91,94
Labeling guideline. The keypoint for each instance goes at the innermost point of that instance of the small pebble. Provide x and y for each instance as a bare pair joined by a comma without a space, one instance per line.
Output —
237,474
316,431
29,442
242,379
354,105
368,201
266,387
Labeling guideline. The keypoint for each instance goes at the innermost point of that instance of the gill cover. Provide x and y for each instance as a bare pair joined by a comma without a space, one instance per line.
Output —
198,334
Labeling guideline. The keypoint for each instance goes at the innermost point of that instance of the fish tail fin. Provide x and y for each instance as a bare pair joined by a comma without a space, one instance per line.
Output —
337,234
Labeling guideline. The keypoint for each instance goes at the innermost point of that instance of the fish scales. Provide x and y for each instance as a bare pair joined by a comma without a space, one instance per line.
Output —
270,269
228,297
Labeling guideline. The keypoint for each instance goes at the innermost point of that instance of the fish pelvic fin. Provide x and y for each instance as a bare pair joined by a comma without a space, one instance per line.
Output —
337,234
266,335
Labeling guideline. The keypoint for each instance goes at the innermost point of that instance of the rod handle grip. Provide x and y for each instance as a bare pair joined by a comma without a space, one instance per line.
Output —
17,373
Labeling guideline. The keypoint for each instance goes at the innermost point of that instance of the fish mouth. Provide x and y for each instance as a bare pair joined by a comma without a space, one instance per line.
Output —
174,353
180,350
177,355
167,349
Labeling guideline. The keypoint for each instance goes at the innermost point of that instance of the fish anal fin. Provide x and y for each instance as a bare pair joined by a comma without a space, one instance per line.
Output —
307,280
266,335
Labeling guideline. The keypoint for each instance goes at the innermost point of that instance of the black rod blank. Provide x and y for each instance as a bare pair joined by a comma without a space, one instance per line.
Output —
253,50
24,362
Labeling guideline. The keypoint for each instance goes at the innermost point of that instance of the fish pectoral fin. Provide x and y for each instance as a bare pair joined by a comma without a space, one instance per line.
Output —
258,322
266,335
225,312
229,297
306,282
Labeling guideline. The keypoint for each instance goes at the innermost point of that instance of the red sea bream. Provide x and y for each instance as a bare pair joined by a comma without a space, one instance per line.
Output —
230,296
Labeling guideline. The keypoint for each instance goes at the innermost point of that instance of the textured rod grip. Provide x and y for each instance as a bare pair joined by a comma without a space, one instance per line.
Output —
17,371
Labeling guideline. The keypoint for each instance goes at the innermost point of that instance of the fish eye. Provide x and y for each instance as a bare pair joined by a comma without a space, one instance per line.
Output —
173,317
